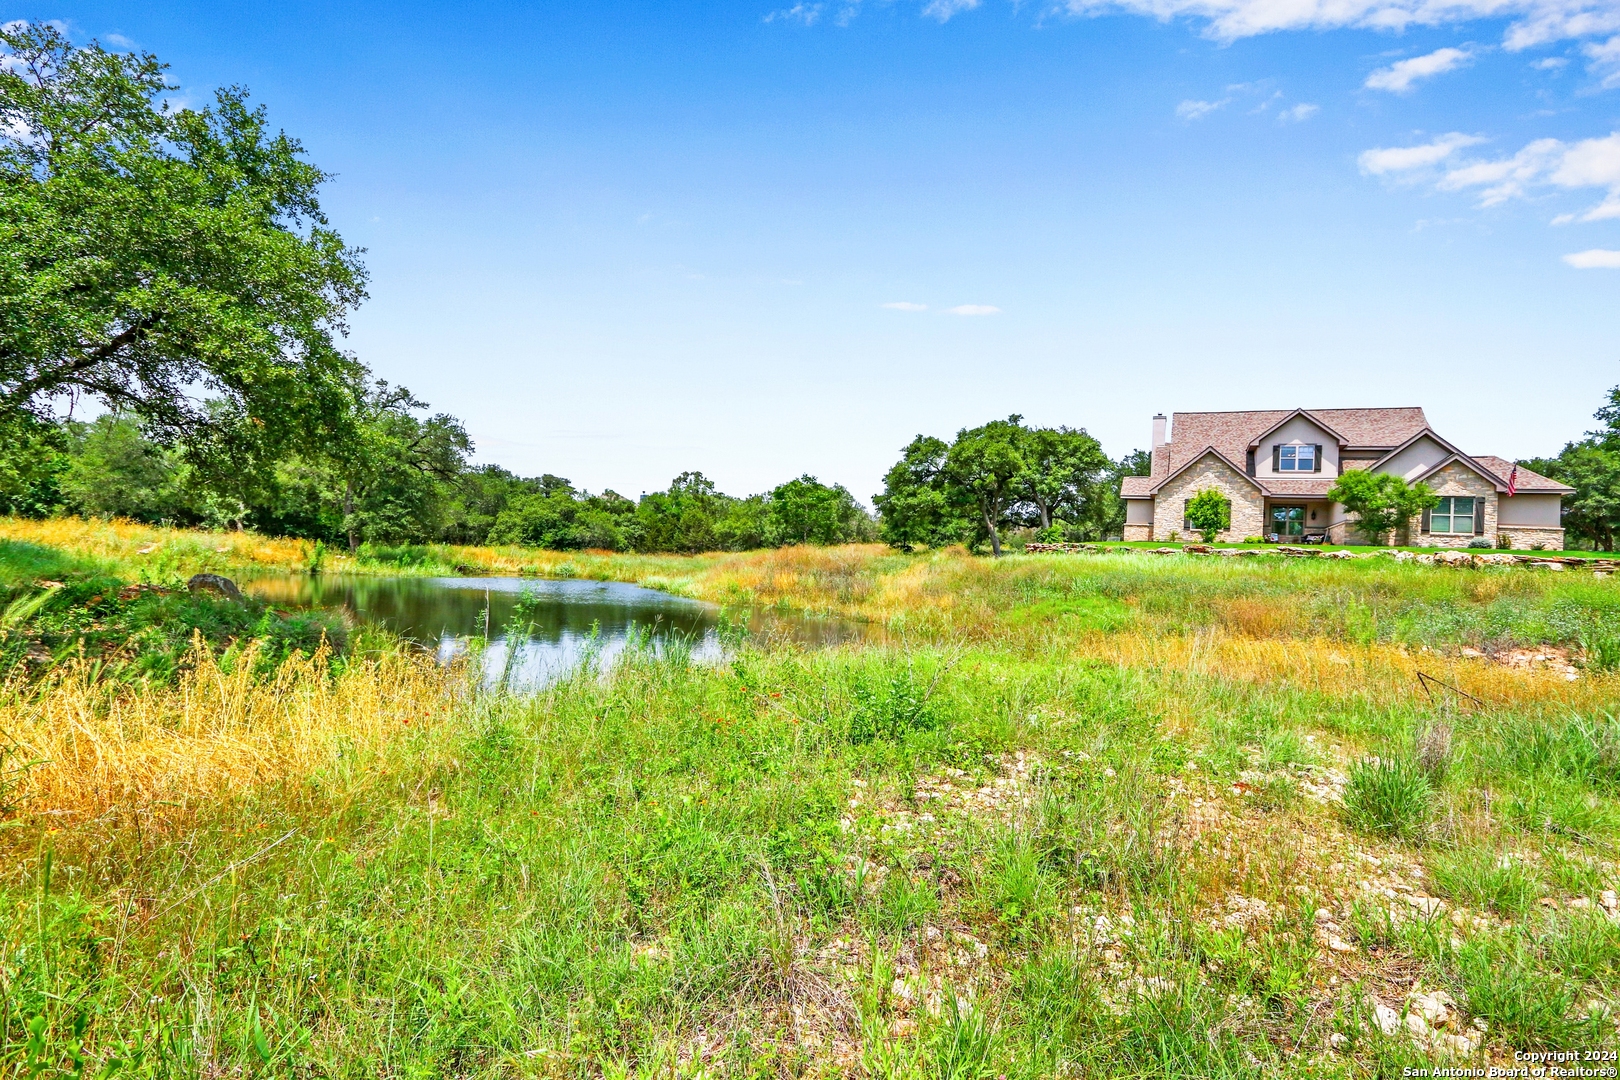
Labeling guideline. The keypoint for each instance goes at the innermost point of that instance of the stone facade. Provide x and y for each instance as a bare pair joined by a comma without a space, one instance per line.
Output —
1248,506
1455,479
1138,532
1527,537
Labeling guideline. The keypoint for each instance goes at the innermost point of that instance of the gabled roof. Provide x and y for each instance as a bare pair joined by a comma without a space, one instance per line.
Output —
1232,433
1196,458
1528,482
1307,414
1456,455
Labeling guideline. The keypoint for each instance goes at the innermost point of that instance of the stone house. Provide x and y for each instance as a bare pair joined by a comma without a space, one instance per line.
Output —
1276,466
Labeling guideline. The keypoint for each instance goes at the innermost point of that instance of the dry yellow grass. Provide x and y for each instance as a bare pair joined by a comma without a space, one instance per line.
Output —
104,747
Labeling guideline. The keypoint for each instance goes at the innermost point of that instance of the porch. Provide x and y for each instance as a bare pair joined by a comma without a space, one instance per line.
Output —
1298,520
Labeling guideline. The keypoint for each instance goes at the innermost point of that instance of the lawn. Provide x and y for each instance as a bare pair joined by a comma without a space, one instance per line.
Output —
1068,815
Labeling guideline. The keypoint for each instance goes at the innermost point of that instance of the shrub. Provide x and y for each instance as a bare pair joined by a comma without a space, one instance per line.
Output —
1209,512
1390,797
1479,542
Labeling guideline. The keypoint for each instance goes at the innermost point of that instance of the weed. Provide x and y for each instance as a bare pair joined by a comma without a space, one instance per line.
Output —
1482,878
1389,797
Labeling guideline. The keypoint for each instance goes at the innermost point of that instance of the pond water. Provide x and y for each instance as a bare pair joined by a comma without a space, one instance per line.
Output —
564,620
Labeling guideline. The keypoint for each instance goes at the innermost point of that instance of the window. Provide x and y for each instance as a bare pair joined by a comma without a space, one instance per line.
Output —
1453,514
1288,520
1296,459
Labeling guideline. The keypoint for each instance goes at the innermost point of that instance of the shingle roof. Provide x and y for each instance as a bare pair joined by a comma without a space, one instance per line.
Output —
1275,486
1135,487
1527,481
1231,432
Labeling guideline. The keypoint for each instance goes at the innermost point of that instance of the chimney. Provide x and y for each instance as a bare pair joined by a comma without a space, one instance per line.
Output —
1158,431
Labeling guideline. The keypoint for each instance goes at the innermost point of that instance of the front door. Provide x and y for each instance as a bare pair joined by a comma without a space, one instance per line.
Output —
1288,520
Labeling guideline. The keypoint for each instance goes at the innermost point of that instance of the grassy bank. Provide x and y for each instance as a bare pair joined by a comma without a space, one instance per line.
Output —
1076,815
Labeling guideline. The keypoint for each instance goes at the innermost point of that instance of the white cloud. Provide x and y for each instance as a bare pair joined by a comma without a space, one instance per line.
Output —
801,13
1302,111
1196,110
905,305
1590,163
119,40
1399,77
1535,21
1595,259
1396,159
975,309
1551,63
944,9
1605,60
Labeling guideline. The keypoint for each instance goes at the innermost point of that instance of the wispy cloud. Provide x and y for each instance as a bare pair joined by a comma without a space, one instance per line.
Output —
803,14
944,9
975,309
1197,110
1401,159
1594,259
1605,60
1551,63
1543,163
118,40
1399,77
905,305
1302,111
1535,22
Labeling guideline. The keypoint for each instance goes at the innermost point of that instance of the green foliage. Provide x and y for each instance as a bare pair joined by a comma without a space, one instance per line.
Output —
996,476
1382,502
891,703
806,511
1209,512
145,250
1389,797
1592,468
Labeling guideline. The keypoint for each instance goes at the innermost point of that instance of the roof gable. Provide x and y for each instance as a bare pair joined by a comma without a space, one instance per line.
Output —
1196,458
1453,455
1322,426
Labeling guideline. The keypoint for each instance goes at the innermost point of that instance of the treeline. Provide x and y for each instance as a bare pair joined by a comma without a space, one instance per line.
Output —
1592,467
405,479
1004,475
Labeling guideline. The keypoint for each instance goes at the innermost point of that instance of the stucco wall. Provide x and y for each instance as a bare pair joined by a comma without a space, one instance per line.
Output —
1540,511
1139,511
1209,472
1298,431
1416,459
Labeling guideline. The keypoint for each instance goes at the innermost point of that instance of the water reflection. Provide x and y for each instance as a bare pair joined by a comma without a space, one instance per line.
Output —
565,619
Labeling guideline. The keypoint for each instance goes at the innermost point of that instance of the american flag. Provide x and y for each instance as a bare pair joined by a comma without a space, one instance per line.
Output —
1513,481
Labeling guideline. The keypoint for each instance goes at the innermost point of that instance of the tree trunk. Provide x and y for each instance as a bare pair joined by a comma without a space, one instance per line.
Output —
995,537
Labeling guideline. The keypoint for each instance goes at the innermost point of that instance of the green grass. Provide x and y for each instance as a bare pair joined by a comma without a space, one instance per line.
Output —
974,849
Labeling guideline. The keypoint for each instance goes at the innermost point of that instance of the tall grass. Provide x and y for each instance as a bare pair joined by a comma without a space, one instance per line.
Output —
1069,817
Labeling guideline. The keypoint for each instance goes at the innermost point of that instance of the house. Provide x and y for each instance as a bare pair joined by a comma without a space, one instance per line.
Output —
1276,466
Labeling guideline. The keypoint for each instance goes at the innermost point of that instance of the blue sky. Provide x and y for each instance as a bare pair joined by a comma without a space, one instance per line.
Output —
758,239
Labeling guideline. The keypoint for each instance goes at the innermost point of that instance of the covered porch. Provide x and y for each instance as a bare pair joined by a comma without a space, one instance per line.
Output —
1297,518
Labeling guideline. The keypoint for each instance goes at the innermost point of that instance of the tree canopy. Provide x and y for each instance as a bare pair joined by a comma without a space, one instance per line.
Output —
1001,475
173,263
1592,467
1382,502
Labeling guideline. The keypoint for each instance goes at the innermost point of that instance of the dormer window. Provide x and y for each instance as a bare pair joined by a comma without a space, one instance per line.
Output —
1296,459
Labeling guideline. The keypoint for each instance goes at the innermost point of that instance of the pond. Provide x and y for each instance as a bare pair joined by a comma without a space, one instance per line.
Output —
565,619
